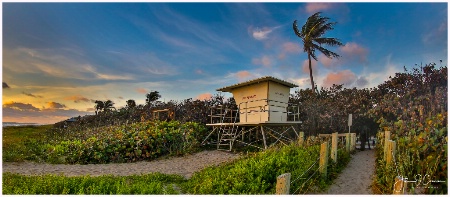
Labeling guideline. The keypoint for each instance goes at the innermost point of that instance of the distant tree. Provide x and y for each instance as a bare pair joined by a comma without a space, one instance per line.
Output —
131,104
108,105
99,106
311,34
152,96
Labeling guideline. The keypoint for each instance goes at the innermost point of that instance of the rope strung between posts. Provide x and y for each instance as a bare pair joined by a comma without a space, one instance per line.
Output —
307,180
306,171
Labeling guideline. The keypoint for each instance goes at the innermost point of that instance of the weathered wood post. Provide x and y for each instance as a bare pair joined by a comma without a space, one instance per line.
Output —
334,145
390,152
347,142
301,138
399,185
353,142
387,137
283,184
323,162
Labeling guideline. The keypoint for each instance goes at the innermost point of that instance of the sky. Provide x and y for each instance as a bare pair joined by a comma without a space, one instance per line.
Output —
57,58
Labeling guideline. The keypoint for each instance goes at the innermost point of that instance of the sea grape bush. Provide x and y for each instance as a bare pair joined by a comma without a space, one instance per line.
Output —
137,141
126,143
414,109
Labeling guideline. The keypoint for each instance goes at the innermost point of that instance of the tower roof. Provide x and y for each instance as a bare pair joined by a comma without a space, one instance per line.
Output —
257,80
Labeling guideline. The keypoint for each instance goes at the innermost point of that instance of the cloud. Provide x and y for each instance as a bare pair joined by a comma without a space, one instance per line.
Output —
261,34
22,112
345,77
5,85
54,105
78,99
19,107
350,52
142,90
436,34
353,50
99,75
289,47
312,8
264,61
383,74
243,75
361,82
199,71
204,96
59,63
327,62
31,95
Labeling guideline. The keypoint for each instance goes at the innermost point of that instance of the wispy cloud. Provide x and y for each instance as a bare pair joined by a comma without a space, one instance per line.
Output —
141,91
5,85
265,61
350,53
78,99
204,96
346,77
436,34
352,50
243,75
190,27
318,7
261,33
55,105
289,48
99,75
31,95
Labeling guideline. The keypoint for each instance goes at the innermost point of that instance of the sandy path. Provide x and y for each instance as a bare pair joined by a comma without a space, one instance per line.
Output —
357,177
184,166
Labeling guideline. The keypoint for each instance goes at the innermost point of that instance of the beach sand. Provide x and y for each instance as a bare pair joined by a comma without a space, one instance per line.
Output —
357,177
184,166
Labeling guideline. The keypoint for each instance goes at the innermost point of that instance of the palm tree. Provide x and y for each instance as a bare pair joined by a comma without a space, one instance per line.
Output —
108,105
311,34
99,106
152,96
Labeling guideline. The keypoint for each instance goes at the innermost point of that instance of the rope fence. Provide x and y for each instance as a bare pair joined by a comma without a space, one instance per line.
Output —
327,150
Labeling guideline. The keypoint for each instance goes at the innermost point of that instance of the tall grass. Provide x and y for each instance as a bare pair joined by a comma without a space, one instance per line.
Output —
155,183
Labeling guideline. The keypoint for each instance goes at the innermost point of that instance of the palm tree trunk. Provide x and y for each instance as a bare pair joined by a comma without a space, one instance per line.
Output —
310,72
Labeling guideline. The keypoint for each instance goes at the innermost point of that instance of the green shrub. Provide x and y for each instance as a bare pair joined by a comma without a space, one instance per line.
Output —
138,141
155,183
255,174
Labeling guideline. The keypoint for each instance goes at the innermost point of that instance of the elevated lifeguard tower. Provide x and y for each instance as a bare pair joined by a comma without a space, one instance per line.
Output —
264,114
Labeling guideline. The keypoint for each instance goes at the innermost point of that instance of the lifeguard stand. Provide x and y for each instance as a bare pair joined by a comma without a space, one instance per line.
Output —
263,114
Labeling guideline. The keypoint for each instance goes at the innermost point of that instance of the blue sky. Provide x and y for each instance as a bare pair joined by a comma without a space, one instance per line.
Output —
59,57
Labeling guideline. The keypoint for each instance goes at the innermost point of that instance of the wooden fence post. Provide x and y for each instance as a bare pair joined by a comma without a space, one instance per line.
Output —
334,145
399,185
301,138
387,137
283,184
390,152
347,142
323,162
353,142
